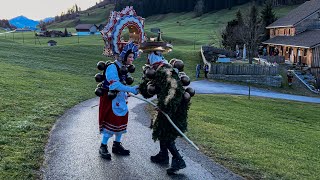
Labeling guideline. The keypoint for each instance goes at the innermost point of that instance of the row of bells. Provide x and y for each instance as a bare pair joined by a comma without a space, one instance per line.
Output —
150,72
100,78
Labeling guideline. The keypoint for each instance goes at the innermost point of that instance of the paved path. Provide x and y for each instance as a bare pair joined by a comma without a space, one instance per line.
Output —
209,87
72,150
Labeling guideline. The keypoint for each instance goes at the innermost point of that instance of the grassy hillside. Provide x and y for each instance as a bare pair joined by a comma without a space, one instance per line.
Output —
94,16
38,83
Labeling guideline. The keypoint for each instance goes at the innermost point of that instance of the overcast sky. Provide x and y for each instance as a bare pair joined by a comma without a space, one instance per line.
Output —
39,9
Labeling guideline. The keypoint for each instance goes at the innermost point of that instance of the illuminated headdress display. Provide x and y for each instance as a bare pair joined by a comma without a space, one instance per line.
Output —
112,33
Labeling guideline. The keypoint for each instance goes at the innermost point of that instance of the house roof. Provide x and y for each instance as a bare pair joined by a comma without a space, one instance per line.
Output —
297,15
84,26
307,39
52,41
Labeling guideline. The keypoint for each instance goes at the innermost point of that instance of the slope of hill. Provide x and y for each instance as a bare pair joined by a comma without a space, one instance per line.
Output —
178,27
92,16
22,21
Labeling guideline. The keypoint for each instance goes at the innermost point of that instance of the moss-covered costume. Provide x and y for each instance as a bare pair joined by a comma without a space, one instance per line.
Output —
170,100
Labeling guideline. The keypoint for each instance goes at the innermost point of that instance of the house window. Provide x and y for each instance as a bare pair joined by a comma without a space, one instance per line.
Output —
319,16
289,32
285,31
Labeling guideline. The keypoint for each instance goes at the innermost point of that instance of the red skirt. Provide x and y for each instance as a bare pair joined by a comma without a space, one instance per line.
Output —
108,120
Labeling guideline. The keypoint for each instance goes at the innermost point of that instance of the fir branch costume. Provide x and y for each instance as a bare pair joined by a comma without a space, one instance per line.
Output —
165,82
170,100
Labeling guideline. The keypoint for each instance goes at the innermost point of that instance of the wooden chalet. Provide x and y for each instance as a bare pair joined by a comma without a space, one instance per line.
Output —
297,36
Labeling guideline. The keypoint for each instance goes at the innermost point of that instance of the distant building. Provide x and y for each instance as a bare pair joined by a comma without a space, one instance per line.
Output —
297,36
52,43
23,30
86,29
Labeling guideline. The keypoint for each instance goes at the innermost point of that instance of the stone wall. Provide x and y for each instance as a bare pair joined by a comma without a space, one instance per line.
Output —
274,81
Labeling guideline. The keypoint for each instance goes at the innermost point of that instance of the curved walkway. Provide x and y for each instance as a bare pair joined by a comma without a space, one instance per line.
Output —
72,150
209,87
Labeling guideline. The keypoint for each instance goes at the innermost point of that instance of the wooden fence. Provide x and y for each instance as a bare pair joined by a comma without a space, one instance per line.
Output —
272,59
244,69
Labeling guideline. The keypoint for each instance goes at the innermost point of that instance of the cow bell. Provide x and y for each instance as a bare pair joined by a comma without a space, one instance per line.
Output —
101,65
186,97
150,73
172,61
112,95
151,89
131,68
124,70
178,64
191,91
129,80
99,92
99,77
185,80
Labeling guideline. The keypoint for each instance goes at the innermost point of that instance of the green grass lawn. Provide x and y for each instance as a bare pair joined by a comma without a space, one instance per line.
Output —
38,83
258,138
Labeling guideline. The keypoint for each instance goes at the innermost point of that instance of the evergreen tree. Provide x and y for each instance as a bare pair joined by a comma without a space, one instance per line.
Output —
268,17
198,9
229,36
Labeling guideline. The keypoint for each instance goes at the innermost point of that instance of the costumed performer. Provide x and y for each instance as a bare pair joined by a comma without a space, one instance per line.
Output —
113,109
162,79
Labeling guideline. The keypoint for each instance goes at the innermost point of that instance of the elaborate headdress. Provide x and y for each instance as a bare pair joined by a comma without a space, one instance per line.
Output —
111,34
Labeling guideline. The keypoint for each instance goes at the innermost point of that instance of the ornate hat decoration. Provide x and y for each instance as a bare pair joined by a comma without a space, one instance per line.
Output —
156,44
112,32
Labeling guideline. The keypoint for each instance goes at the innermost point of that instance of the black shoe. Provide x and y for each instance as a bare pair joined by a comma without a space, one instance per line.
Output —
160,158
176,165
103,151
117,148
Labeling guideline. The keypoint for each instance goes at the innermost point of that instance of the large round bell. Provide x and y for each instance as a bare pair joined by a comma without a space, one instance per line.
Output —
129,80
112,95
191,91
150,73
100,85
178,64
99,92
131,68
124,70
101,65
151,89
186,97
172,61
185,80
182,74
99,77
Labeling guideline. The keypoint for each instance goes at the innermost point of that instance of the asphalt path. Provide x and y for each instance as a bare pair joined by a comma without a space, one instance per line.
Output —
72,150
209,87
